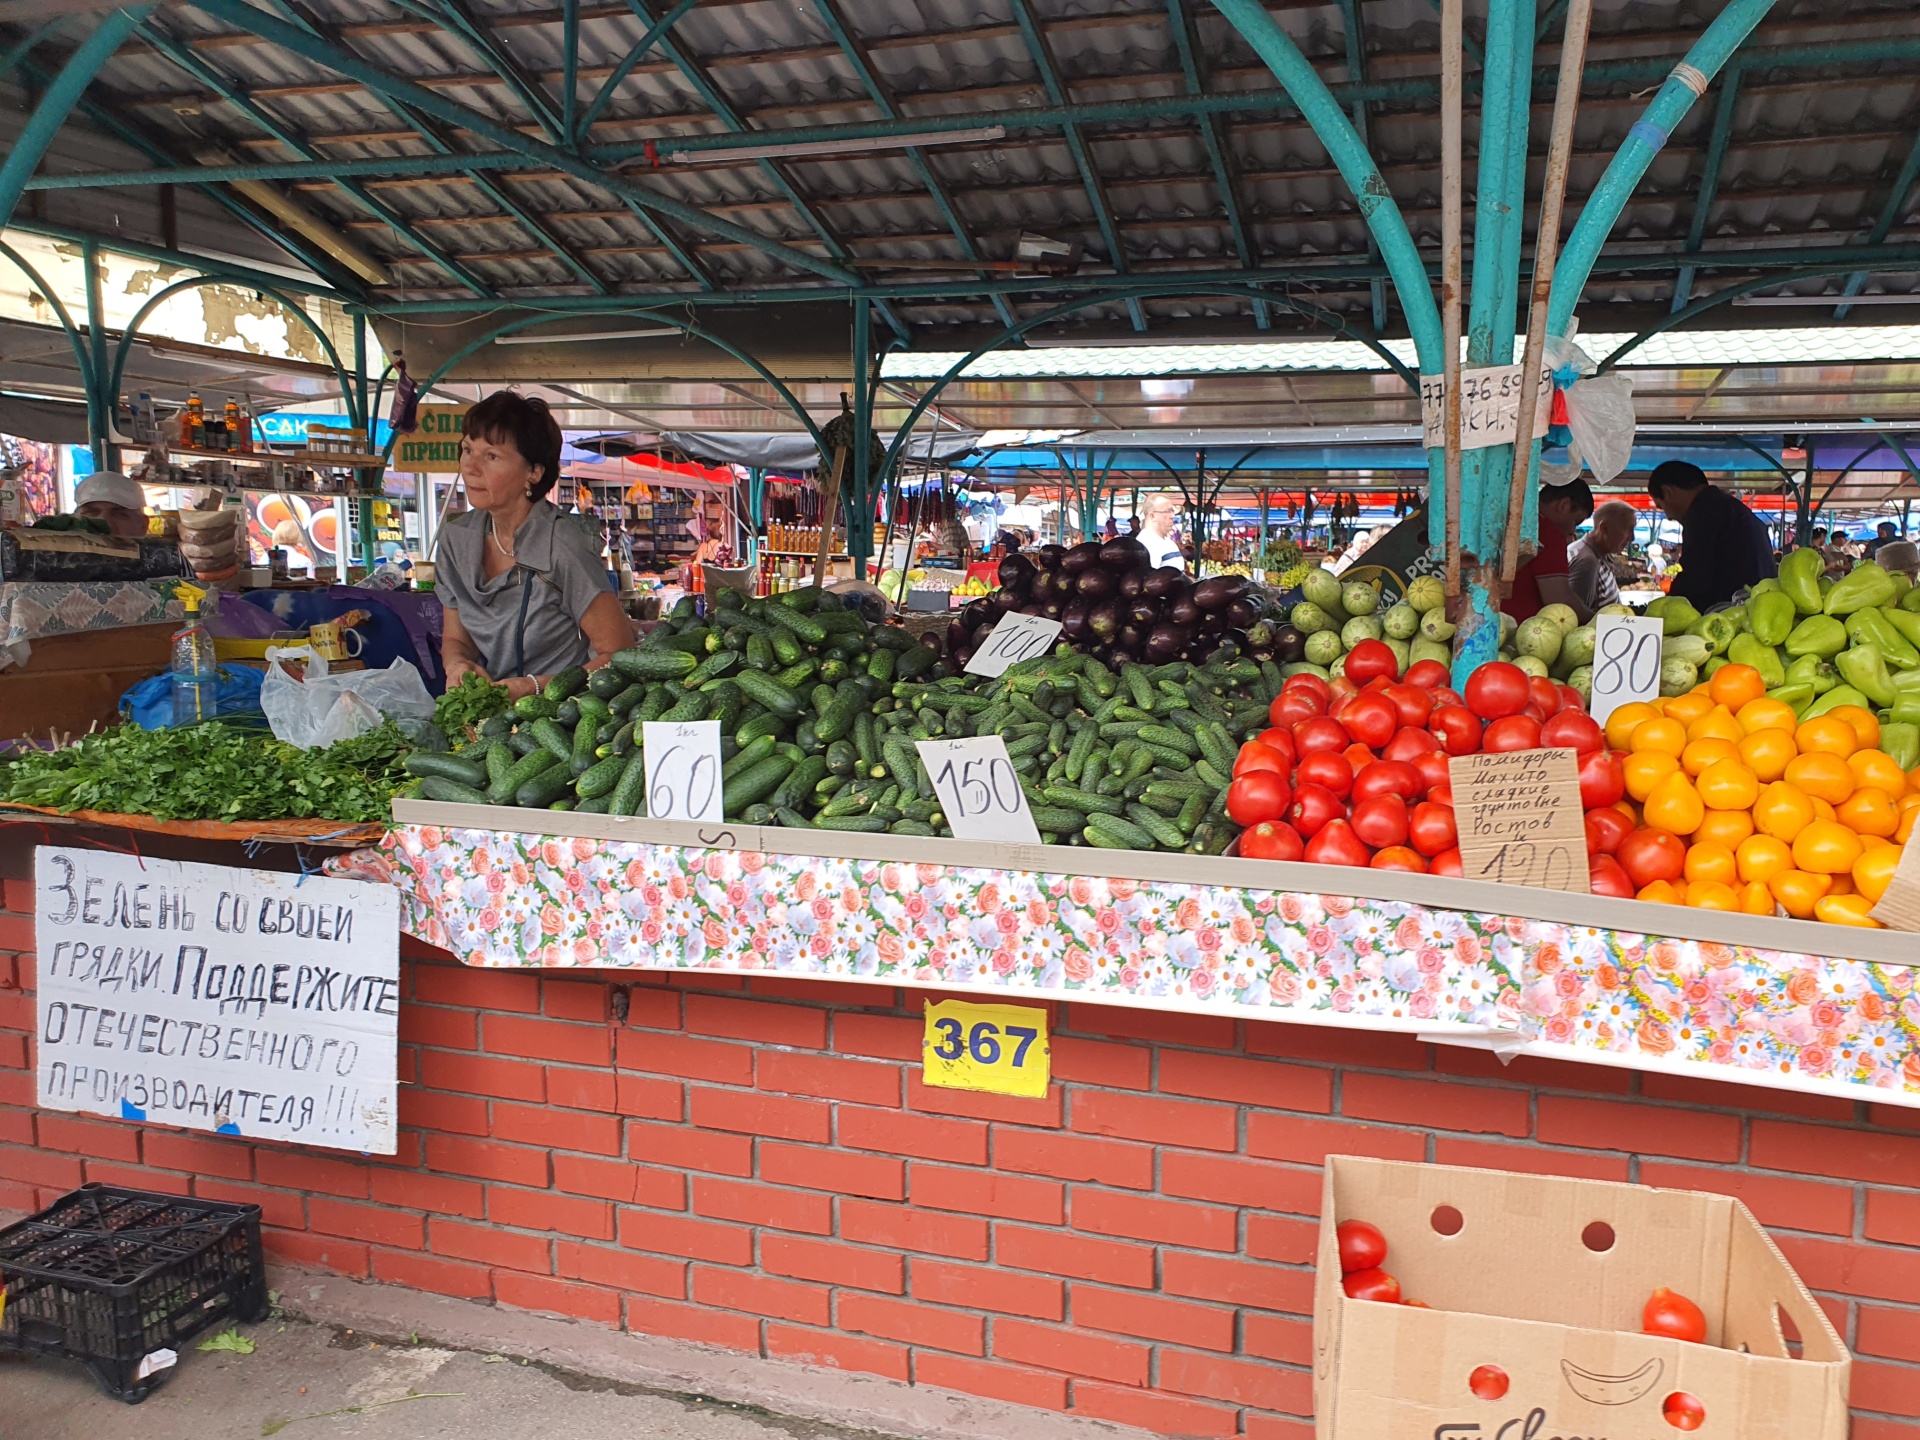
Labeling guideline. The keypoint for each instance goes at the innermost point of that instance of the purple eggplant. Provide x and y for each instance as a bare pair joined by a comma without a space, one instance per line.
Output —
1016,572
1165,643
977,613
1123,554
1053,609
1143,613
1032,609
1095,584
1212,622
1080,558
1182,611
1133,585
1073,621
1289,645
1044,585
1166,582
1105,619
1048,557
1241,614
1003,601
1219,592
957,635
1131,640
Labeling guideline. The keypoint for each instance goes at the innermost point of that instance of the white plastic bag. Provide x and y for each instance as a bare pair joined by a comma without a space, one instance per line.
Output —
1599,410
325,708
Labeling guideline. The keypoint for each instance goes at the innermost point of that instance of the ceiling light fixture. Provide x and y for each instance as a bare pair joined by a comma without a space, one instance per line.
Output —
583,336
1827,300
802,149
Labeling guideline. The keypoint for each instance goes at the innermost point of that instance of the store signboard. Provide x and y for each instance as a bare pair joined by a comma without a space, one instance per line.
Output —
434,448
244,1002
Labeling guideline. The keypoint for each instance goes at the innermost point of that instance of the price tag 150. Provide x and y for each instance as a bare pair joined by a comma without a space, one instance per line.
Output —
1015,638
1626,662
979,790
683,769
1001,1048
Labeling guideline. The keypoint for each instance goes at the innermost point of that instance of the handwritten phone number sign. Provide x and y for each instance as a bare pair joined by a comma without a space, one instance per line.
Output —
244,1002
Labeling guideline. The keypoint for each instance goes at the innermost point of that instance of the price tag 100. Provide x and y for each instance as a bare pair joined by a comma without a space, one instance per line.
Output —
979,790
1015,638
1626,662
683,769
1001,1048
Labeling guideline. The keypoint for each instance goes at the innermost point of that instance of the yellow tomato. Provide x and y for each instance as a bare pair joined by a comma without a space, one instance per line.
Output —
1711,895
1646,770
1873,871
1662,735
1758,715
1662,892
1880,770
1843,884
1733,686
1782,811
1907,819
1755,898
1725,827
1761,857
1717,724
1623,721
1709,860
1674,805
1868,811
1821,774
1798,892
1699,754
1768,753
1846,910
1822,810
1866,728
1728,785
1826,847
1689,707
1827,735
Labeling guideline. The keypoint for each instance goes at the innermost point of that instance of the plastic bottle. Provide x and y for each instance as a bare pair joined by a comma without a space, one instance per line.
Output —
193,422
194,664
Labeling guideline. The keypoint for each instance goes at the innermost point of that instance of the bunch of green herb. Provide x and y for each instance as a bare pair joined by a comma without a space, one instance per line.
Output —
465,705
213,771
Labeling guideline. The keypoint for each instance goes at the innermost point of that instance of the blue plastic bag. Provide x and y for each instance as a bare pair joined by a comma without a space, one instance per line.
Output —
150,703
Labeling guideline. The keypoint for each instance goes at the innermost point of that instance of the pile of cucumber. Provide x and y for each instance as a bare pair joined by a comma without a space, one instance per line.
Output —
819,712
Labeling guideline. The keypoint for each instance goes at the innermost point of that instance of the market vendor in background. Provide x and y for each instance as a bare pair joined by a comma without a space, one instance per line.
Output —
1156,533
1590,558
109,496
1724,547
525,589
1544,580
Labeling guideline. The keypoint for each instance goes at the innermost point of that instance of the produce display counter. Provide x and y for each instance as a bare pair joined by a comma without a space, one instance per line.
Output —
1787,1004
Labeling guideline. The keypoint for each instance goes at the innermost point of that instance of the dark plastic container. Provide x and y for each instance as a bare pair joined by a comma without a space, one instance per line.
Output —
107,1276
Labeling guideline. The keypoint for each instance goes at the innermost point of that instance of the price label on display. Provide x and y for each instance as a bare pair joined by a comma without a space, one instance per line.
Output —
682,758
1626,662
1519,818
979,789
1001,1048
1489,406
1015,638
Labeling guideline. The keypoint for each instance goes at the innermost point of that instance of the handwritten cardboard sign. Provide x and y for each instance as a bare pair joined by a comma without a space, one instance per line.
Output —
1489,406
979,790
1519,818
1899,907
1017,637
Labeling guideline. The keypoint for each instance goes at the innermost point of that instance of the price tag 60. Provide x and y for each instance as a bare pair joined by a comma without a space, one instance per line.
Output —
1001,1048
1626,662
683,769
1015,638
979,790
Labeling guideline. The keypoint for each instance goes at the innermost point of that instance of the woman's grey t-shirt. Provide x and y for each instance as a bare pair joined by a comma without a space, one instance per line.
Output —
558,574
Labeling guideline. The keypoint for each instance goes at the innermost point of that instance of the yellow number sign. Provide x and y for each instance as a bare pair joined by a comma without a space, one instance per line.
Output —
1002,1048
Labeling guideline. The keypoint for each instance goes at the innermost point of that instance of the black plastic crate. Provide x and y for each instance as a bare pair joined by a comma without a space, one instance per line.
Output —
107,1276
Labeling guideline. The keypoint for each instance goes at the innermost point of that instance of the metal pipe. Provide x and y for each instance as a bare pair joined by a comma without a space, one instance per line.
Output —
1566,105
1685,84
1452,169
58,101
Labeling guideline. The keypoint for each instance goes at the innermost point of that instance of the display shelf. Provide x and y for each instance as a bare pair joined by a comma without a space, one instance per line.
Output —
325,459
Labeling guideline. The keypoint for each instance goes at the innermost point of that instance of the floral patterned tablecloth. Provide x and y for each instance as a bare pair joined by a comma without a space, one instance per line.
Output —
1802,1022
34,609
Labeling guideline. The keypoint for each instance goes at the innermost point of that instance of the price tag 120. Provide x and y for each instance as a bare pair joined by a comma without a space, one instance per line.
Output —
979,789
1015,638
683,769
1626,662
1002,1048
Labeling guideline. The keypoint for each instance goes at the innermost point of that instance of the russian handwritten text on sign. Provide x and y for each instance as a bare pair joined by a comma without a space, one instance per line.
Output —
1001,1048
683,769
979,789
1489,406
1519,818
246,1002
1013,639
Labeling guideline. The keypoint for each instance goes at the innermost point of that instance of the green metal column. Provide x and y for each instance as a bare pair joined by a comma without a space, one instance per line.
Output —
60,98
100,399
858,506
363,504
756,511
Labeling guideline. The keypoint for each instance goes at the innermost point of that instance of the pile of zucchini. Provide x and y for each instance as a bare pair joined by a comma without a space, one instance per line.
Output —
819,712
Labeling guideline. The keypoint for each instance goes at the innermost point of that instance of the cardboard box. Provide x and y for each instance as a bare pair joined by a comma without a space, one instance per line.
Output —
1546,1278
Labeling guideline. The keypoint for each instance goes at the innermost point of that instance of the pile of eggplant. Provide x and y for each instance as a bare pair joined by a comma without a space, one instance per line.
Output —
1112,605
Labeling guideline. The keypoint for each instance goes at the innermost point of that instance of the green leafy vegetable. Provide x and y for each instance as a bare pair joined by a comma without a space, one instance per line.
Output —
464,705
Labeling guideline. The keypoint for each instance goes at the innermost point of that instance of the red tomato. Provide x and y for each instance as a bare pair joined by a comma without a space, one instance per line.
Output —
1457,729
1648,855
1488,1382
1447,863
1255,756
1399,857
1430,827
1388,777
1606,828
1371,719
1306,680
1359,757
1375,685
1682,1411
1314,807
1572,730
1277,738
1544,693
1427,674
1442,793
1342,689
1534,713
1413,703
1382,821
1446,696
1602,781
1434,773
1271,840
1374,1284
1293,706
1320,733
1605,877
1672,1314
1371,658
1570,699
1497,689
1336,844
1328,770
1258,796
1511,732
1362,1246
1408,742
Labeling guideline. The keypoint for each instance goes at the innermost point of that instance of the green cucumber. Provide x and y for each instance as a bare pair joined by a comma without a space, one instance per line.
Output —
601,779
553,739
451,792
755,784
660,664
762,690
567,683
630,794
543,789
455,768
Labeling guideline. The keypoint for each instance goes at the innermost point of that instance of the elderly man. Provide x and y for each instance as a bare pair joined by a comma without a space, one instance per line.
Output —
1157,533
110,496
1590,558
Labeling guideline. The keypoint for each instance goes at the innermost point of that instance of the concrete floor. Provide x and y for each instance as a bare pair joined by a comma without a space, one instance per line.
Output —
309,1381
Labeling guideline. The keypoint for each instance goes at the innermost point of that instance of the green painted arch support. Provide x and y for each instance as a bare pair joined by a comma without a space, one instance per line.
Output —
80,354
57,103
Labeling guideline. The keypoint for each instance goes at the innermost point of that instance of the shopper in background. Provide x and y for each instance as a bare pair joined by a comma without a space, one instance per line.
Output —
1884,533
1157,533
1590,558
1901,556
1724,547
1544,580
109,496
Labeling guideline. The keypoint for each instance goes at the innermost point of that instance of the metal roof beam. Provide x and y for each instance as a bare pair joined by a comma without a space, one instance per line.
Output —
584,125
1889,216
1709,178
23,47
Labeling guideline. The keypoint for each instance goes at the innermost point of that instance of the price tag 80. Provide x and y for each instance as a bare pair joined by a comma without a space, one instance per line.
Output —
997,1048
1626,662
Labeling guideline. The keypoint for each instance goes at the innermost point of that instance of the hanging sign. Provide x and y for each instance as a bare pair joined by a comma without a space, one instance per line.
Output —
1489,406
1015,638
433,449
979,789
1001,1048
1626,662
1520,819
245,1002
683,769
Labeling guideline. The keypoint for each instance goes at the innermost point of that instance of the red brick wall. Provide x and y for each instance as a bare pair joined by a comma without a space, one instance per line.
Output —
757,1166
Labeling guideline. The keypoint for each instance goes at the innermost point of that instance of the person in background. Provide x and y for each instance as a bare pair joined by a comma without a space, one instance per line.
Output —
1902,556
1590,558
1157,533
1544,580
1885,533
1724,547
109,496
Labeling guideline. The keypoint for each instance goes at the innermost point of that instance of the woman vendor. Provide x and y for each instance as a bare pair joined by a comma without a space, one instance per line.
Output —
525,588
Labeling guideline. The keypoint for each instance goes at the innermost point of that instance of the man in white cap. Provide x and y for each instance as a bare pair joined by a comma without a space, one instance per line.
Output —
110,496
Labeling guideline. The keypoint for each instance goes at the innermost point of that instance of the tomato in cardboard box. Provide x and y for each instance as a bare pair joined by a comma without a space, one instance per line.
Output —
1537,1286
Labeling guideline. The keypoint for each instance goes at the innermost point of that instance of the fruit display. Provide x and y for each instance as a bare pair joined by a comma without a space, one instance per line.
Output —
1332,617
972,587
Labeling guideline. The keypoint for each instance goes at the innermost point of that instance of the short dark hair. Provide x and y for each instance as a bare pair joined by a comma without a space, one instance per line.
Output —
1574,490
1675,474
529,426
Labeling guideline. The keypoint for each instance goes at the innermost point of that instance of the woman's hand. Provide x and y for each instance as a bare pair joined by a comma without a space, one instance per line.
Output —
521,686
458,670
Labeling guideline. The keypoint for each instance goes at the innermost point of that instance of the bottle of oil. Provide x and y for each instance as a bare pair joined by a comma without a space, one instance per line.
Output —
193,422
231,414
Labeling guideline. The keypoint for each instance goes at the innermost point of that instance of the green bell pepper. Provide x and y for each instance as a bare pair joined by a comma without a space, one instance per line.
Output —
1799,578
1675,613
1901,741
1907,680
1906,623
1910,602
1871,627
1747,650
1865,669
1906,709
1717,629
1868,585
1820,635
1901,585
1768,586
1834,698
1772,615
1799,696
1814,671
